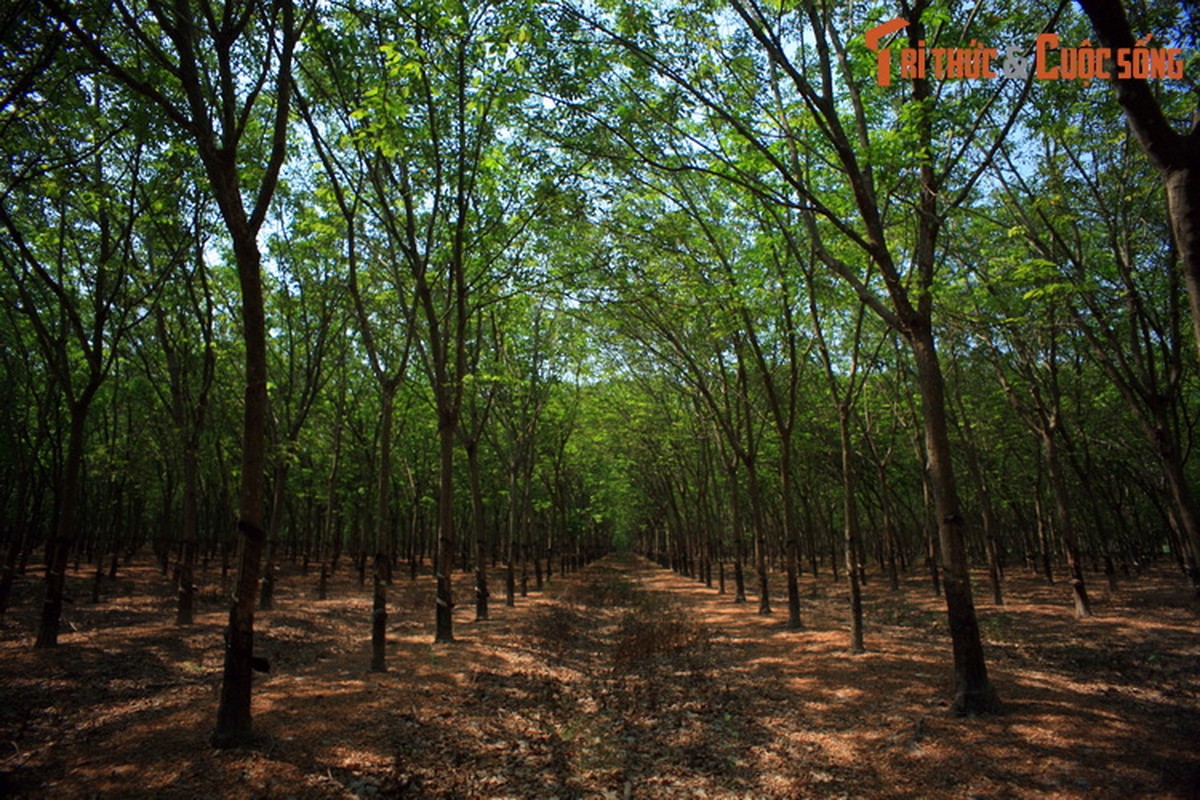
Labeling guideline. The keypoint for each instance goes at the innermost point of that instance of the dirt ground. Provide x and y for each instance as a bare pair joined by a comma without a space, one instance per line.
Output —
622,681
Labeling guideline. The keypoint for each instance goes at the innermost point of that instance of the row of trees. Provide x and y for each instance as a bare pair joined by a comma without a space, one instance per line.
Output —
508,284
992,229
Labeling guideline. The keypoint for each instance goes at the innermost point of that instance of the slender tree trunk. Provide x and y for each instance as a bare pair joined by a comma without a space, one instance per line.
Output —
328,530
266,600
810,534
233,713
186,589
382,515
526,520
932,549
973,690
760,539
739,574
995,572
16,543
1043,540
58,554
739,547
833,549
789,528
850,520
1066,528
510,574
444,556
480,526
537,564
889,527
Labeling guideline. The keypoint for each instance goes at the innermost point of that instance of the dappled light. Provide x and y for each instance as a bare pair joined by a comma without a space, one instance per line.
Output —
621,679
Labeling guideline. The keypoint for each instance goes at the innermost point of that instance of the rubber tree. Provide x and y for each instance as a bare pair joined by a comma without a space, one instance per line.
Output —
1034,391
309,309
73,228
1174,152
345,66
178,356
779,372
845,383
222,75
712,66
449,197
1098,241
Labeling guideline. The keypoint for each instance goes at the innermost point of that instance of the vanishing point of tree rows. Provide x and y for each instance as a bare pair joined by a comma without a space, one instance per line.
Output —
425,287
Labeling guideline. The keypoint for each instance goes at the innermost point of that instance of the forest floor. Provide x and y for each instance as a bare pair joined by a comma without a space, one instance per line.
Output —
620,681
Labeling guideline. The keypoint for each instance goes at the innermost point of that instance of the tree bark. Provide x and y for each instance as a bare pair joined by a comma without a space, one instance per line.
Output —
328,531
266,600
1066,525
382,530
59,551
973,692
186,589
233,712
480,526
790,534
760,539
850,528
444,557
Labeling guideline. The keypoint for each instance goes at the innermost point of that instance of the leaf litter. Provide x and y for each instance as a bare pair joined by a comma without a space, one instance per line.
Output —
621,681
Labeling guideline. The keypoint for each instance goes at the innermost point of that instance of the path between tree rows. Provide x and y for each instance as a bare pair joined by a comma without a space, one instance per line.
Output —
624,680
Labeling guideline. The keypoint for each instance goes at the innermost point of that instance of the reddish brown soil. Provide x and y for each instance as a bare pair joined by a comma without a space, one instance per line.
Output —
621,681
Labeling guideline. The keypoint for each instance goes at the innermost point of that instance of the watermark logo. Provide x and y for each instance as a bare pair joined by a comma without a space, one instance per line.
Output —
1050,61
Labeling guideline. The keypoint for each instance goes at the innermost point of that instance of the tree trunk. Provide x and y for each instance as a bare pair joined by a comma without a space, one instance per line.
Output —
60,546
328,530
995,572
185,586
382,528
510,567
932,549
973,691
1183,207
850,514
1066,527
266,600
444,557
810,537
16,543
739,578
480,526
233,712
789,531
889,527
739,547
760,542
